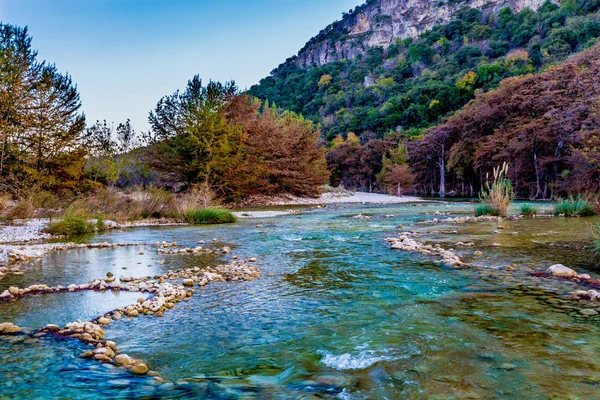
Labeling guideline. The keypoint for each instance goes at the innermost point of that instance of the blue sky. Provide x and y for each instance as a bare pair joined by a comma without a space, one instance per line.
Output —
126,54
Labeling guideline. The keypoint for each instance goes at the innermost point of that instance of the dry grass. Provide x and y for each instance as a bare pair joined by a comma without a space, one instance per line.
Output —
499,193
111,203
198,197
5,202
24,208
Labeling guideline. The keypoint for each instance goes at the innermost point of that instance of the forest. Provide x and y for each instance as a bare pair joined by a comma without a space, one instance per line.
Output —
211,135
396,95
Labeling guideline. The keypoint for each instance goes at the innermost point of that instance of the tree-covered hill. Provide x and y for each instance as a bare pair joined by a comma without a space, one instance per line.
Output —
416,83
545,126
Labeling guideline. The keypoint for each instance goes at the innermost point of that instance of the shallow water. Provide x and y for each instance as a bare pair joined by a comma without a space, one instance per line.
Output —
337,314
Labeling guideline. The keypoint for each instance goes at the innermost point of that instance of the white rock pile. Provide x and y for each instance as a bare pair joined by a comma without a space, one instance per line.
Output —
406,242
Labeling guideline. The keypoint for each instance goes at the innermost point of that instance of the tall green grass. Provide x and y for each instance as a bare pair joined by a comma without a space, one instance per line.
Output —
528,210
577,207
482,209
209,216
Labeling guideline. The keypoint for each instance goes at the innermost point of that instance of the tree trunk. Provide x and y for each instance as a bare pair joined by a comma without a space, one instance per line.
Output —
442,164
537,177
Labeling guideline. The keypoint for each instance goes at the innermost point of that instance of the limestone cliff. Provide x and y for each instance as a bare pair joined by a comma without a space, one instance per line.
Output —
379,23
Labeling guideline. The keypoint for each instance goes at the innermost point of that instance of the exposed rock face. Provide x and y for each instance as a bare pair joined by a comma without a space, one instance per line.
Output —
382,22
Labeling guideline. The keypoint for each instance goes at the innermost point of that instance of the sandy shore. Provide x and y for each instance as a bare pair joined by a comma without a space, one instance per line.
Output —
327,198
334,198
366,198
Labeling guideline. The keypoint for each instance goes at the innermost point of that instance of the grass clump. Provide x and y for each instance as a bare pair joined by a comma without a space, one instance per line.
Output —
577,207
72,225
498,196
209,216
528,210
482,209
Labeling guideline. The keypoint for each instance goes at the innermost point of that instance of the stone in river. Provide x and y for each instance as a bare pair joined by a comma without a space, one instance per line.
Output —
188,282
139,369
8,328
123,359
588,312
52,328
561,271
13,290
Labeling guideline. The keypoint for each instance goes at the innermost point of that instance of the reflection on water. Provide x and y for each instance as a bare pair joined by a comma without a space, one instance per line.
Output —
337,314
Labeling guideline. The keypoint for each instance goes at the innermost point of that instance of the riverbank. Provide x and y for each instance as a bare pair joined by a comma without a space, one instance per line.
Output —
330,198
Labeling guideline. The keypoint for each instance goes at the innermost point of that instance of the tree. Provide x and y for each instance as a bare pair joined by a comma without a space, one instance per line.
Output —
197,142
239,146
396,175
43,131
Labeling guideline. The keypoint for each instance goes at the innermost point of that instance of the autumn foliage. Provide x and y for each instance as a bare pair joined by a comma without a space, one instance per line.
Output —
545,126
235,144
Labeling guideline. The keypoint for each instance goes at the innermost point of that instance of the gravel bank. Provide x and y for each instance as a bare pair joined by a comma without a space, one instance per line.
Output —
24,231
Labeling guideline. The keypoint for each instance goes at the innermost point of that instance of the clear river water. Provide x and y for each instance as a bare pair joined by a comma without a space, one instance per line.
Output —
336,314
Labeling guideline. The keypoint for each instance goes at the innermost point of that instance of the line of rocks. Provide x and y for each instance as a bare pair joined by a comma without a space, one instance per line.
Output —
16,254
482,218
195,250
406,242
164,297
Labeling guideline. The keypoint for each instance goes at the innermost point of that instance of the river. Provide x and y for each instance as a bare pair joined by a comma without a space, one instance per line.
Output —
336,314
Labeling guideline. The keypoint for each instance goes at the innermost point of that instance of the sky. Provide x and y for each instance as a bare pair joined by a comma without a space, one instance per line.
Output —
125,55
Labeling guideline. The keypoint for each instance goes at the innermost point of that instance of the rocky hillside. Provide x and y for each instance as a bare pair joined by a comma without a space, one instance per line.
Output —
379,23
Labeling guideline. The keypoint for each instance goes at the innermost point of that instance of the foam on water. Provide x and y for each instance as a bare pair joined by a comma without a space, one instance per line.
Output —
347,361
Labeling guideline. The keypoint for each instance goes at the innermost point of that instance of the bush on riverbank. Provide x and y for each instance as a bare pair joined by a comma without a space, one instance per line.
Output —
73,225
528,210
209,216
577,207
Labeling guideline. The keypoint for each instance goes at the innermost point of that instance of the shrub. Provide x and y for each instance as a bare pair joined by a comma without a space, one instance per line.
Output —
528,210
69,226
209,216
499,194
113,204
577,207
